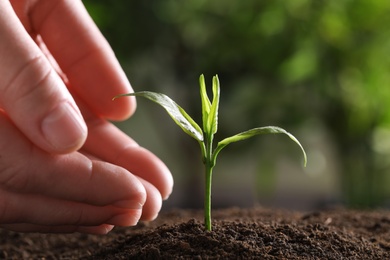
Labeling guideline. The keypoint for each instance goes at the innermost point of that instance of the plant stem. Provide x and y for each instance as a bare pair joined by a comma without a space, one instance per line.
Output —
207,199
209,165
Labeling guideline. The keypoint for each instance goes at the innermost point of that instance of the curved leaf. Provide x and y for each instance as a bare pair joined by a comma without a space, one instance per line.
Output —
212,121
177,113
206,104
253,132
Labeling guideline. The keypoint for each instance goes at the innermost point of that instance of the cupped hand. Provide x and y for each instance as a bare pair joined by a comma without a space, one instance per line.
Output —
63,166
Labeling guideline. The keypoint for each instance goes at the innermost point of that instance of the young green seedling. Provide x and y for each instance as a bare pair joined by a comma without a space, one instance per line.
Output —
205,137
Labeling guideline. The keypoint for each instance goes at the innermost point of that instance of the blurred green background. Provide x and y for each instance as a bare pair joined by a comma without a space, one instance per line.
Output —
319,69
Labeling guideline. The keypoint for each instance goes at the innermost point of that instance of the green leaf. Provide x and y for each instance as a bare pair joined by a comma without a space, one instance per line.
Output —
212,121
177,113
206,104
253,132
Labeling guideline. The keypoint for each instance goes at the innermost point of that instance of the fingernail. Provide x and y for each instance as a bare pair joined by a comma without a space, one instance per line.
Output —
129,204
64,128
109,228
99,230
127,219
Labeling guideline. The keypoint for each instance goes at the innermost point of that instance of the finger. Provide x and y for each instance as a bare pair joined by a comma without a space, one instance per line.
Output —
25,168
110,144
32,94
153,203
40,210
83,55
95,230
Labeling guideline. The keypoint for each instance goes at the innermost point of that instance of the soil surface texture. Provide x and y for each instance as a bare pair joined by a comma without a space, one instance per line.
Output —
255,233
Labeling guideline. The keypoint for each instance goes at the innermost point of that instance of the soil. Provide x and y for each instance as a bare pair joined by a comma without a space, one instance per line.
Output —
255,233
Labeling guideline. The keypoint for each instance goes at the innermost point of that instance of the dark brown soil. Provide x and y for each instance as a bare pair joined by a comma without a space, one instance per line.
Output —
237,233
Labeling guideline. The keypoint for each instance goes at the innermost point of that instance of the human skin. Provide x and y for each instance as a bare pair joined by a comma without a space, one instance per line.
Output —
63,166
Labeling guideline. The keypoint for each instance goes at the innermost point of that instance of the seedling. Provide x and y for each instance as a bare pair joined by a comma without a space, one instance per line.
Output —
205,137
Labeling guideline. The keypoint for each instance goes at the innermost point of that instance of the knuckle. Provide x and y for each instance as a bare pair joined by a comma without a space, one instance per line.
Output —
9,211
78,217
13,176
3,208
15,157
10,179
25,87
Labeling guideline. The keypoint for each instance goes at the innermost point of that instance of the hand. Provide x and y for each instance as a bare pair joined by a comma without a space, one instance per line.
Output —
55,175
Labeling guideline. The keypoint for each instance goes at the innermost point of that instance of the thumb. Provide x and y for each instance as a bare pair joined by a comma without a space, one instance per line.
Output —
32,94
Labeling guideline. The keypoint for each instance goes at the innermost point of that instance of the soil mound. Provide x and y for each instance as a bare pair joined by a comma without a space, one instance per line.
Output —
254,233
